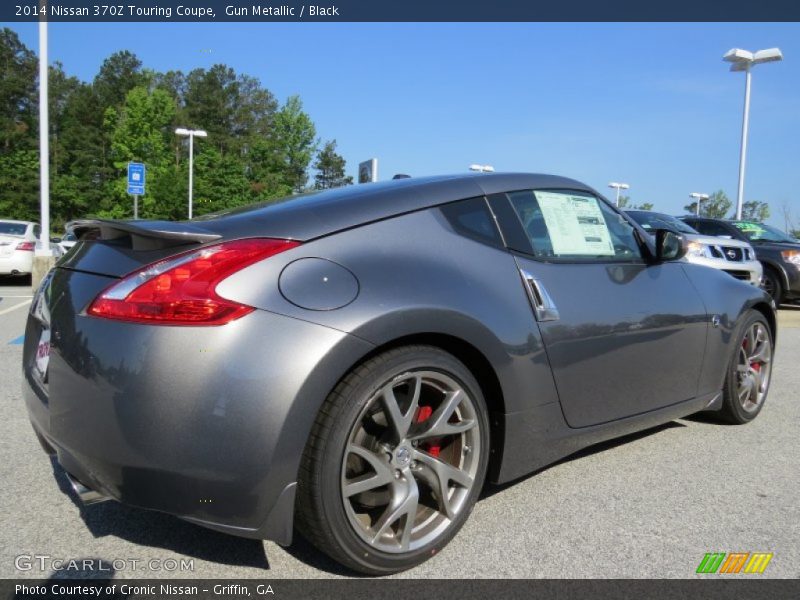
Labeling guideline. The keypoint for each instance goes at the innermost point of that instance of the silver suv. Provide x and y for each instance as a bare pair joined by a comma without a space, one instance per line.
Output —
735,257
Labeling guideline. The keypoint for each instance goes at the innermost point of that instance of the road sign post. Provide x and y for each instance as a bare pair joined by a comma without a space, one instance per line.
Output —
137,174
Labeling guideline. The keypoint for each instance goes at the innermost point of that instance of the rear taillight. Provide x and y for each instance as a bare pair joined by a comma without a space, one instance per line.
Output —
26,246
182,290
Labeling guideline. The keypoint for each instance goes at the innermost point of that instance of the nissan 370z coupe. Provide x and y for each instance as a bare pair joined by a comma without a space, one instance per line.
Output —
358,362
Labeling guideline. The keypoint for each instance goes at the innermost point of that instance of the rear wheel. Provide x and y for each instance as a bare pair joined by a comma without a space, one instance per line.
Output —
749,372
395,461
773,285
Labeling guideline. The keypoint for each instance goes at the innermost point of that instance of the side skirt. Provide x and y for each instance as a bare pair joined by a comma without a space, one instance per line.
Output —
540,436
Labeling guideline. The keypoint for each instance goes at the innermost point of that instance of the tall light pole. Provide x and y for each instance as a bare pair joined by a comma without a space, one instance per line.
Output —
698,197
743,60
618,187
191,134
43,247
481,168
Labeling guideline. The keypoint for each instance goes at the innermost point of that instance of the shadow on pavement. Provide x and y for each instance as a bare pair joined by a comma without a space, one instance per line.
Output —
490,489
158,530
17,281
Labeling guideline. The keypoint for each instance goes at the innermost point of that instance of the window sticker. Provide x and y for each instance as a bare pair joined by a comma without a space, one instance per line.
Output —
754,228
576,224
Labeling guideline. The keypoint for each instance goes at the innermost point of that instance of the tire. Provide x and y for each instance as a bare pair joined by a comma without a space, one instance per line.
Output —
773,285
749,371
362,480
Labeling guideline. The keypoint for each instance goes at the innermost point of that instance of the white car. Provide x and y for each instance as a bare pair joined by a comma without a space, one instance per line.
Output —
735,257
17,246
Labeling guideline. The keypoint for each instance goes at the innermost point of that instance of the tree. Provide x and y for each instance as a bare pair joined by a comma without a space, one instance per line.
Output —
118,75
139,132
220,181
19,180
625,203
255,151
330,168
295,142
18,99
755,211
716,207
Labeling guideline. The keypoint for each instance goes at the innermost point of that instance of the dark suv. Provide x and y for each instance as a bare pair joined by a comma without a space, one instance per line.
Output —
778,252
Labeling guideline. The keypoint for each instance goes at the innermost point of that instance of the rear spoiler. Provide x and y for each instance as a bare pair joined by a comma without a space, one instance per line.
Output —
143,235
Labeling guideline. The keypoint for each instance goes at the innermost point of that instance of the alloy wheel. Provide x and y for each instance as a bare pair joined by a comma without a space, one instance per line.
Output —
411,460
754,367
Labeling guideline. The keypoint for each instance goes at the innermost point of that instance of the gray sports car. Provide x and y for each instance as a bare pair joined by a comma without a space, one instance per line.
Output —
358,362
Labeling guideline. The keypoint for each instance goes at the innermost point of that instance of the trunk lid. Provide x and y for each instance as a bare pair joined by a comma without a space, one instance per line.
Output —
116,248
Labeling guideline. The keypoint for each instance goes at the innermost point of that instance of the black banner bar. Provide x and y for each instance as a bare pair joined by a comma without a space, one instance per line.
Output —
397,10
711,588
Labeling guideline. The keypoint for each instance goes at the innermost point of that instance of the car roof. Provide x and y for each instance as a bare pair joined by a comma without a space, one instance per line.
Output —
307,216
18,222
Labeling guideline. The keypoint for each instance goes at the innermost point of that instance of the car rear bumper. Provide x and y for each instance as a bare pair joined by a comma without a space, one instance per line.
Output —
205,423
18,262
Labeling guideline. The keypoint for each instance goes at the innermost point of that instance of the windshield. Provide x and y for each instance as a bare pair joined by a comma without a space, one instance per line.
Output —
650,221
758,232
12,228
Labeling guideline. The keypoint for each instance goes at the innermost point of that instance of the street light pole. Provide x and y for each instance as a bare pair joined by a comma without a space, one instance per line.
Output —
743,146
43,247
618,186
698,197
744,60
191,133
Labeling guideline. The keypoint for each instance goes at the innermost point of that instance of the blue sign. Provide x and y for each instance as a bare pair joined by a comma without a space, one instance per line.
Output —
136,177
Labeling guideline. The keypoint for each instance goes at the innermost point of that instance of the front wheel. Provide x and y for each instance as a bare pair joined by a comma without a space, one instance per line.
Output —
395,461
749,372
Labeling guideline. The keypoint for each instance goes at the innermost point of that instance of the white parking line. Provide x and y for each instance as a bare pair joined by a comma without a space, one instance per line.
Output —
16,306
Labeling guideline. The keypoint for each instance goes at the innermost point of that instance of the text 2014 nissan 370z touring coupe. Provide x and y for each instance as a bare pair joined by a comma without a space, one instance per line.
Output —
359,361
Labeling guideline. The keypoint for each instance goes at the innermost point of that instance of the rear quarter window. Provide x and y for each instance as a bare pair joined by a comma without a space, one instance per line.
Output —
472,218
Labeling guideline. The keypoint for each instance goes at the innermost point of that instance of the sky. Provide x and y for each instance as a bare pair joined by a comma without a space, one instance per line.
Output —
649,104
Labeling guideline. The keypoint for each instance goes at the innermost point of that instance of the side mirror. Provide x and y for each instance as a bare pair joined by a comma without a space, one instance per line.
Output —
55,240
670,245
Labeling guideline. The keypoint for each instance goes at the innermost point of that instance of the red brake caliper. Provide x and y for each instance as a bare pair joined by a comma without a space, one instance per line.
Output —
753,365
423,413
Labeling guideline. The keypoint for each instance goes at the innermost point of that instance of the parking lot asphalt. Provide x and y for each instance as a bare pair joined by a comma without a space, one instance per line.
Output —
649,505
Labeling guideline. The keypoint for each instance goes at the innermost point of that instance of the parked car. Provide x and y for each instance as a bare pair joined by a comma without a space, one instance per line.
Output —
17,246
777,251
360,360
67,241
737,258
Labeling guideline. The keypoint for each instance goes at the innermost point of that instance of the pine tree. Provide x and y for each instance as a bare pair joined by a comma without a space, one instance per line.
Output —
330,168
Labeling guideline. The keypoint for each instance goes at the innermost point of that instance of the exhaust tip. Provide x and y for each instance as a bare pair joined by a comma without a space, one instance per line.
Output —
86,495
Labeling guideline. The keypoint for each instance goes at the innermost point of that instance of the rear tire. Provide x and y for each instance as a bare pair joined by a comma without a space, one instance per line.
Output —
395,461
773,285
749,371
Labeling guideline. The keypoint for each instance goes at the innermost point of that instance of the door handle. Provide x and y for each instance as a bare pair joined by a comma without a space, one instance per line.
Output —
543,306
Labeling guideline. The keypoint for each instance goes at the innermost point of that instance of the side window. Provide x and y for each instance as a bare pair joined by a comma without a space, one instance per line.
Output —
565,225
37,231
472,218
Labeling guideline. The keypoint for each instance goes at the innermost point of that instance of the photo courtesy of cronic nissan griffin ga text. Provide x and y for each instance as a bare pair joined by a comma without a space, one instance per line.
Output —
358,362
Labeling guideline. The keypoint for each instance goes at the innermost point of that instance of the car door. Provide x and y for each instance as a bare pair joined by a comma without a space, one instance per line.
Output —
623,336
